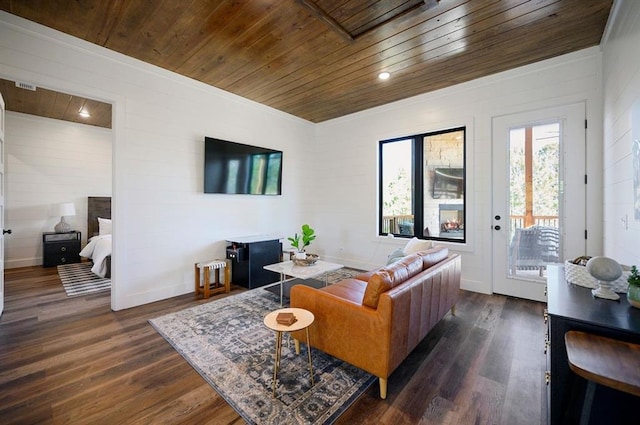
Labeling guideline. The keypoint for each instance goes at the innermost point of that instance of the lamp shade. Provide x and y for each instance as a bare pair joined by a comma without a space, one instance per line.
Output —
65,209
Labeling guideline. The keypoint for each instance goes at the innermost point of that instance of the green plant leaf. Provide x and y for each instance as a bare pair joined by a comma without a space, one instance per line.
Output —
304,239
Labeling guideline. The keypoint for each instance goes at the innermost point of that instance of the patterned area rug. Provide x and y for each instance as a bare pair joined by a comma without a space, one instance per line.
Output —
227,342
343,273
78,279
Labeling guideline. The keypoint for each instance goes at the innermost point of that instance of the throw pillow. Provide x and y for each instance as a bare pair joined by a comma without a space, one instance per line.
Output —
104,226
415,245
397,254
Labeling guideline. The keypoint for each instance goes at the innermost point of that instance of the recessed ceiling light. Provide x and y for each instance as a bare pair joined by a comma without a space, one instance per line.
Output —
384,75
84,113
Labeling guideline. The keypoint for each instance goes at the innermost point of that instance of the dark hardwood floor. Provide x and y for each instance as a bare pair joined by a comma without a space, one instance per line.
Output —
74,361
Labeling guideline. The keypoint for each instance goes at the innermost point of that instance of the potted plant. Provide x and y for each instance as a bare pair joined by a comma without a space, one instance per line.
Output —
300,242
633,293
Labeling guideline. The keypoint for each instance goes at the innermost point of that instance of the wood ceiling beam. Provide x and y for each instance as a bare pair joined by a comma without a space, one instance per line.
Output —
328,20
422,6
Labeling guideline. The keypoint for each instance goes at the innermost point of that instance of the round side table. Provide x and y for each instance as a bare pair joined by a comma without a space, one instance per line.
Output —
304,320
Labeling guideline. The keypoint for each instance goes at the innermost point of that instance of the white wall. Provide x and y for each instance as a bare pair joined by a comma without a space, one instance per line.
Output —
163,222
621,76
343,205
48,162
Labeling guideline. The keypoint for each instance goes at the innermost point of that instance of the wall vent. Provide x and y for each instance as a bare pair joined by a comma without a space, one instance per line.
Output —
26,86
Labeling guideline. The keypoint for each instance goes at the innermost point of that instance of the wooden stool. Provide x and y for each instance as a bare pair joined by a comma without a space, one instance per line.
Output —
605,361
206,287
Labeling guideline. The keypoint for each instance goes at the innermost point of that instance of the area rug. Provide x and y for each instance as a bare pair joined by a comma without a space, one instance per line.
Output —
78,279
343,273
227,342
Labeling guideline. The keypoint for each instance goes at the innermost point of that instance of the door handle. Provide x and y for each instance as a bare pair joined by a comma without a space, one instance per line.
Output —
4,231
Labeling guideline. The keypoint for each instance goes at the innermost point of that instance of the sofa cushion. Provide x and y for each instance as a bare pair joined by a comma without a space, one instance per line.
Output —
433,256
348,289
430,257
365,276
390,276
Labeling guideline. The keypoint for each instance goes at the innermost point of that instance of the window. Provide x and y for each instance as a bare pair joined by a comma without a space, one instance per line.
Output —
422,186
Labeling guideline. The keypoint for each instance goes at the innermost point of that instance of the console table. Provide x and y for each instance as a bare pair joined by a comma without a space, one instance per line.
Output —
572,307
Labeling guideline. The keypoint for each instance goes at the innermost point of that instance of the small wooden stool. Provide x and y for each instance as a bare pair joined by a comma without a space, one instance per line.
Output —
605,361
208,288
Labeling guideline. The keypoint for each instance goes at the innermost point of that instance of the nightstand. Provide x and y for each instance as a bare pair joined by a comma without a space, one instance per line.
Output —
60,248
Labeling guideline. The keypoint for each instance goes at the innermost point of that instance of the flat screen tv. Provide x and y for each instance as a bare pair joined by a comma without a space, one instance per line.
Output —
448,183
235,168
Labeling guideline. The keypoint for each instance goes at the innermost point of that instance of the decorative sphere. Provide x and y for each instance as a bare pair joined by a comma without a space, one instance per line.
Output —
604,268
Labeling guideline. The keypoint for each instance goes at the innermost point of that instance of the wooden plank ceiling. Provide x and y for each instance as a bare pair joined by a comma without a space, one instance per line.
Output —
56,105
320,59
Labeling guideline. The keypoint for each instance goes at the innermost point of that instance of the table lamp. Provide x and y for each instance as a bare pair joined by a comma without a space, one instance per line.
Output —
605,270
64,210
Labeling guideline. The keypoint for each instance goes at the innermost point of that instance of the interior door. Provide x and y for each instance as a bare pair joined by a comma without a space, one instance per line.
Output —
2,204
539,196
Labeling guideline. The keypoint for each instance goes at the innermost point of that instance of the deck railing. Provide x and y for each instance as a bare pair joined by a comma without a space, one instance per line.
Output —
398,224
517,221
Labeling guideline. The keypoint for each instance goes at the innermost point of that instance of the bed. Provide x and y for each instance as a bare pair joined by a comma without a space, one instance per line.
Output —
98,248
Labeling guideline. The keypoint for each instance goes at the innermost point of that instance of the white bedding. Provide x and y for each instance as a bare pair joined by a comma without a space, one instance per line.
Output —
98,249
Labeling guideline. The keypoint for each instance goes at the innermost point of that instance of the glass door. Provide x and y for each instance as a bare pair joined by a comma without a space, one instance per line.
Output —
534,200
538,196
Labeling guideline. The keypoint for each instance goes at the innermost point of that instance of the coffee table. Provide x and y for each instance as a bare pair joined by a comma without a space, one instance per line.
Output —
289,268
305,319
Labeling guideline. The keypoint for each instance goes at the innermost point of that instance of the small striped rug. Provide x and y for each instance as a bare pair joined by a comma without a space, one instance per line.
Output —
78,279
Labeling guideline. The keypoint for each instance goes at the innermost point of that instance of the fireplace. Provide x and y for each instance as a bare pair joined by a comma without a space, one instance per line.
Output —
451,218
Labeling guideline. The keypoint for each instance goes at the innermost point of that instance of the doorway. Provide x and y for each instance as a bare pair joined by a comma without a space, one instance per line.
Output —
56,113
539,196
2,204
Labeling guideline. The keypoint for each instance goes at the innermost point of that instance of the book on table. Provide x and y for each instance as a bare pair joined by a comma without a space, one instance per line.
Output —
286,319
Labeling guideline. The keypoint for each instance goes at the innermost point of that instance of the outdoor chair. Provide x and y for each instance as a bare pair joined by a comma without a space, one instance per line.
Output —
534,247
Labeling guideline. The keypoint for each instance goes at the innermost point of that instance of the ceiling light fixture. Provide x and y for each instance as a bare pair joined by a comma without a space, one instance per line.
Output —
84,113
384,75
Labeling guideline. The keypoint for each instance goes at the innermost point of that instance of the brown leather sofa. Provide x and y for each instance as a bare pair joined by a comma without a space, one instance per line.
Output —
373,321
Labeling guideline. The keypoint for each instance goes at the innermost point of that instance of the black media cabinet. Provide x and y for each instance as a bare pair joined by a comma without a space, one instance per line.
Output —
248,256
